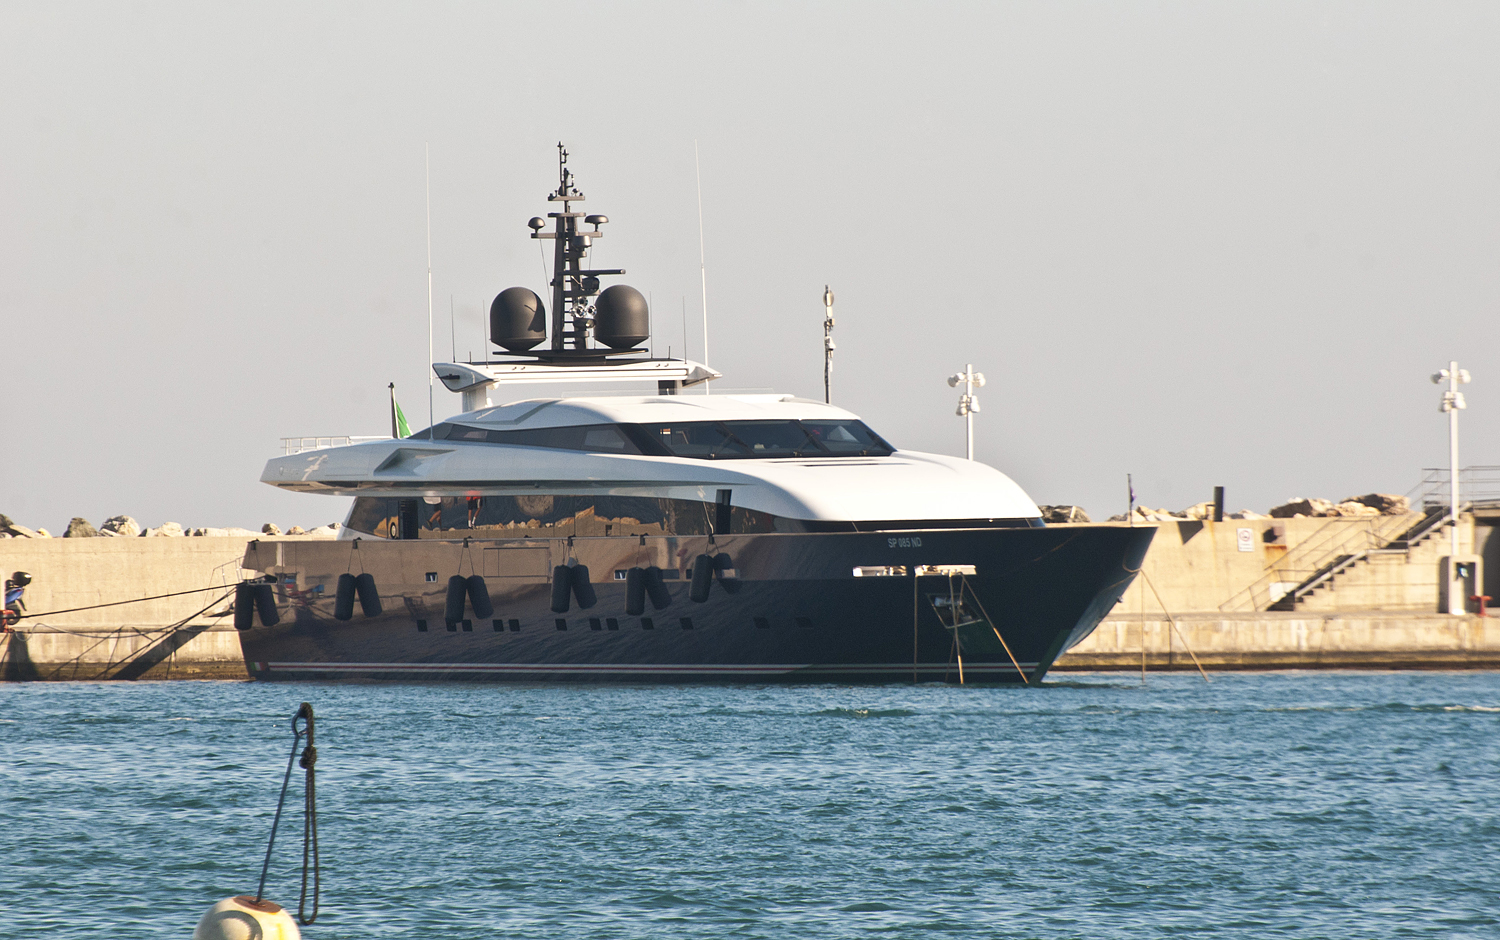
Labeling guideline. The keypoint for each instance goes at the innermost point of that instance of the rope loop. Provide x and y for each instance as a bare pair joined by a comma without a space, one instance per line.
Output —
302,727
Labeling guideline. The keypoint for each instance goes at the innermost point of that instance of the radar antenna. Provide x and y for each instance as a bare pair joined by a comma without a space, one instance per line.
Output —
573,286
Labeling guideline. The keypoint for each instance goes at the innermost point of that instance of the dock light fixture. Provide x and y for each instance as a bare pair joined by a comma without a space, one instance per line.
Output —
1453,403
967,403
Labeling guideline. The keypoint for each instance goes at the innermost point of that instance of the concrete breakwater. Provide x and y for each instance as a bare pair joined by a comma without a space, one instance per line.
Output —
186,635
1209,588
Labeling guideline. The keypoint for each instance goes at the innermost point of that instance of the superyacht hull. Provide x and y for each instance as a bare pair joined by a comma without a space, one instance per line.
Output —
972,605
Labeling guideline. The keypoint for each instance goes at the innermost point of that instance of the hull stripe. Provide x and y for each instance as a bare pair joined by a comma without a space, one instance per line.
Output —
588,668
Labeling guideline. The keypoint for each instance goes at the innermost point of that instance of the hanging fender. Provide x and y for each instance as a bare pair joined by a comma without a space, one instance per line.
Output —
582,589
635,592
562,587
479,598
343,598
369,596
703,578
244,605
656,588
265,605
458,588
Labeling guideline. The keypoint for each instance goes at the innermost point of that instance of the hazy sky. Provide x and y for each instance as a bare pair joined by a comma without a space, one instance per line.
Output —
1203,243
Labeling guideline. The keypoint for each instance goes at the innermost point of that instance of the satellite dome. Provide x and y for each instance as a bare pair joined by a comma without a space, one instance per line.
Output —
518,319
622,318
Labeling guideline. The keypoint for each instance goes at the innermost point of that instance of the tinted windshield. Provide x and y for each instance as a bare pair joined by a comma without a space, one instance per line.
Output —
730,440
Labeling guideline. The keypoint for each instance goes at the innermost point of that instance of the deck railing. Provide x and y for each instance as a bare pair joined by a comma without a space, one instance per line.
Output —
297,445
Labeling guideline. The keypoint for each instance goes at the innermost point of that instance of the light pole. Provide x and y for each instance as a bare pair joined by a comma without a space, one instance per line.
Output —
827,344
967,403
1453,403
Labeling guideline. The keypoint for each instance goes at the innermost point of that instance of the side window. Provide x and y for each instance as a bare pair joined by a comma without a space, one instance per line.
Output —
511,517
606,438
374,515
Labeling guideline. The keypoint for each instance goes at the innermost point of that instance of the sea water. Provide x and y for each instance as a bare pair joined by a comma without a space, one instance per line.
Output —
1262,804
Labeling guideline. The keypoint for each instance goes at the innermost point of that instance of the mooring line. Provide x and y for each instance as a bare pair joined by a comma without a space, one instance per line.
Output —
1006,646
1173,621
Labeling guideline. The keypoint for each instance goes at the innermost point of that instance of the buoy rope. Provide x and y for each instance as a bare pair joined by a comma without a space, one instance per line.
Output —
309,814
309,825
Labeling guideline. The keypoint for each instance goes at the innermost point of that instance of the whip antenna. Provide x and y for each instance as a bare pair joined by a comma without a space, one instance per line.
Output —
702,265
427,154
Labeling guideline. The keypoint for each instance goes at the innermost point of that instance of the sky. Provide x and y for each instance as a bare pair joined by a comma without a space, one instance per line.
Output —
1198,243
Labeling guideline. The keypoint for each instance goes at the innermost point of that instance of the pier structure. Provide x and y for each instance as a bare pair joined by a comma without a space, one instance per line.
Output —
1239,594
1309,592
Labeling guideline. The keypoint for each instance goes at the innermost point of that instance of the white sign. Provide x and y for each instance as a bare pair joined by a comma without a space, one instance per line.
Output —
1245,538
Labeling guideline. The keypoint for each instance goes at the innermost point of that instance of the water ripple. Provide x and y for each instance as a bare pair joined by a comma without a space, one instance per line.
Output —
1294,804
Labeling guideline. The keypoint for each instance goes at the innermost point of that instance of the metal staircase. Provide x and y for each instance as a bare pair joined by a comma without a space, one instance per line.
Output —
1432,522
1340,546
1332,550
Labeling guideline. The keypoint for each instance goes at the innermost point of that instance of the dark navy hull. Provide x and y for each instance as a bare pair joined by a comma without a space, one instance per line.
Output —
794,612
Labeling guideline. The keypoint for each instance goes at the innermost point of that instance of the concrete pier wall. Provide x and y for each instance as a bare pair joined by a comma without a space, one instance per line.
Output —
1204,567
1292,640
1382,613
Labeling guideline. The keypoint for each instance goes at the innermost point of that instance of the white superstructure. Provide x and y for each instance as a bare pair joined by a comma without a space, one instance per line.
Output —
899,485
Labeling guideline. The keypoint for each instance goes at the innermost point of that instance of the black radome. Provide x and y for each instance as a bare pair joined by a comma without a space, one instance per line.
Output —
518,319
621,317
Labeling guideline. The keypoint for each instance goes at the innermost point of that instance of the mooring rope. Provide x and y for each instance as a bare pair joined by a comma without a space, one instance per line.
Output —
1004,645
156,597
1170,619
309,815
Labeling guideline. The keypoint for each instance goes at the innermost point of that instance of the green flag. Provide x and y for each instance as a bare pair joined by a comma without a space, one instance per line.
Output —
399,427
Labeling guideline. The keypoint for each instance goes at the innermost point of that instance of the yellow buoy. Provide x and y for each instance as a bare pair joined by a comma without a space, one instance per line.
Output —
245,918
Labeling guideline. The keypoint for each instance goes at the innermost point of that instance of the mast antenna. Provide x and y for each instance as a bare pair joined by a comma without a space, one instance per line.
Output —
427,156
827,345
702,264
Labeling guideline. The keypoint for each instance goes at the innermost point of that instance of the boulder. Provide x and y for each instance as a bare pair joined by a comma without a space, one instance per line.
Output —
1144,514
296,530
1353,509
1299,506
17,531
79,528
120,527
270,528
1055,514
1386,504
1198,511
43,534
165,530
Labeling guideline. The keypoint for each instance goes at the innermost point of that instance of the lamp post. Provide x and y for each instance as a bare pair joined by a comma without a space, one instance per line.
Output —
1453,403
827,343
967,403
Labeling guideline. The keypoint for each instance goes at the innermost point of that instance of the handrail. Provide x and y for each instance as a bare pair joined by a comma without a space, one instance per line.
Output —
1475,483
1327,548
297,445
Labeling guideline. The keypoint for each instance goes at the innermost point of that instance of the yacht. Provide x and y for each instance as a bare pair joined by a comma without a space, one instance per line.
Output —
662,534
